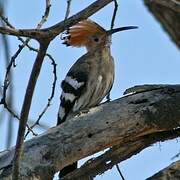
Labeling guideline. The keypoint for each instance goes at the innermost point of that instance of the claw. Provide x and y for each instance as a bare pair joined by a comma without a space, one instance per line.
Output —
84,111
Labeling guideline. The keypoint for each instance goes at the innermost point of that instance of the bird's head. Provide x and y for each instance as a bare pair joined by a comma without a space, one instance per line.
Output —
89,34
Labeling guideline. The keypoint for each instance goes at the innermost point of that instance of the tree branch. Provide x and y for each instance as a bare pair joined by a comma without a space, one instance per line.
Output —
5,42
53,31
26,108
168,14
171,172
117,154
126,120
12,63
68,9
114,13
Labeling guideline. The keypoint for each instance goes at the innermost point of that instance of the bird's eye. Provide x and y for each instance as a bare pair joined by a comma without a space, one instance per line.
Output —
96,39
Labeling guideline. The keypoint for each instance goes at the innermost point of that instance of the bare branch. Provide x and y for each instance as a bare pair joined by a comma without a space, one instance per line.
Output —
108,97
53,31
26,107
84,14
141,117
120,173
50,98
168,14
114,13
22,32
52,92
40,24
117,154
6,106
45,15
5,20
10,94
25,43
31,122
171,172
68,9
176,156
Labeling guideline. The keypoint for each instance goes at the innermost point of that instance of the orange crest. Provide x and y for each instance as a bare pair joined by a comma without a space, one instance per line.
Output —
78,34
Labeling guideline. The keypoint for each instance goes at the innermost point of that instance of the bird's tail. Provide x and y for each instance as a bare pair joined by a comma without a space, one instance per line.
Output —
66,170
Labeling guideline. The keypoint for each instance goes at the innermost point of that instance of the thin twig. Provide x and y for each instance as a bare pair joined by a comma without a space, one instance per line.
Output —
120,173
17,117
10,93
68,9
176,156
51,96
42,126
45,15
108,97
24,43
6,21
53,88
114,13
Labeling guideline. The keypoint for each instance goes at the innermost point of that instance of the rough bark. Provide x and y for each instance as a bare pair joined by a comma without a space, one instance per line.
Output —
167,13
118,153
171,172
125,120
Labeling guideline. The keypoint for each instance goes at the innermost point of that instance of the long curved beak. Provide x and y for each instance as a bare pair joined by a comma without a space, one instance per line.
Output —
112,31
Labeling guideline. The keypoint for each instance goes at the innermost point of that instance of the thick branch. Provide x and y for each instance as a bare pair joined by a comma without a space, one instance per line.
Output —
171,172
117,154
26,108
125,120
168,14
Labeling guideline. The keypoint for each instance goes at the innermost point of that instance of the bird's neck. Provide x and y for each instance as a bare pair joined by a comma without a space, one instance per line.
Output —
104,51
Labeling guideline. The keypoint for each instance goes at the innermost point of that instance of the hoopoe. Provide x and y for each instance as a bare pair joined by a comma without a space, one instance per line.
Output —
91,78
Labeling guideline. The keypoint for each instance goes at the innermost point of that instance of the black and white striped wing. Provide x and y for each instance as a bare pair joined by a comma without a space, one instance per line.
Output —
73,87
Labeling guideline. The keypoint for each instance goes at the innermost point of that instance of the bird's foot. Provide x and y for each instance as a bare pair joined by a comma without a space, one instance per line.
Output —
84,111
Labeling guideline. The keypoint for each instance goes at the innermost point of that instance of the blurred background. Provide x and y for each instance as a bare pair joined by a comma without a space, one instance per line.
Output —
142,56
